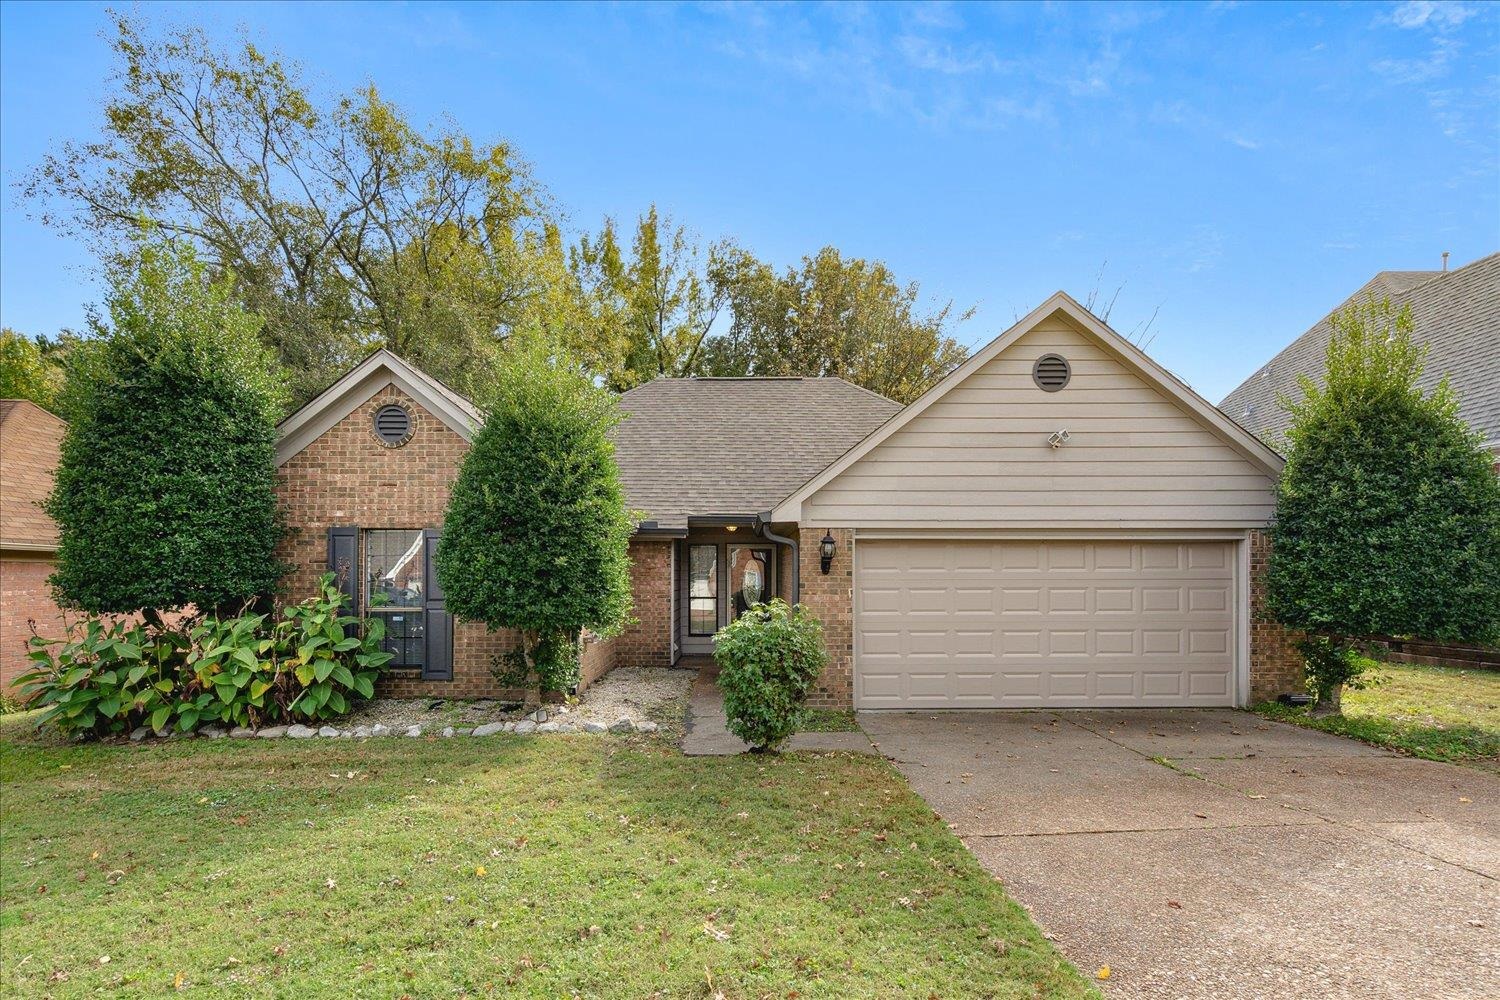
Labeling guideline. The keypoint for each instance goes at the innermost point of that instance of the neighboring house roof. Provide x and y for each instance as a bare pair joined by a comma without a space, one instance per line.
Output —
359,385
1131,356
30,439
734,446
1456,313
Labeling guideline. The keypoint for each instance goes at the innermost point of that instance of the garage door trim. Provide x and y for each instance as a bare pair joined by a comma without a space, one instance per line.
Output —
1239,594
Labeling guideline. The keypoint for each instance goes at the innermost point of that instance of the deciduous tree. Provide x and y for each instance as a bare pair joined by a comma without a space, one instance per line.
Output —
833,315
653,307
344,225
27,371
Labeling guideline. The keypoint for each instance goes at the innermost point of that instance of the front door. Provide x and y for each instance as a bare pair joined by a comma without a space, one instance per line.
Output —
749,579
719,582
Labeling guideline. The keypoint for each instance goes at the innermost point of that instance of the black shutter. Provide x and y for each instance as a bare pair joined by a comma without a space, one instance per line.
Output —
437,663
343,563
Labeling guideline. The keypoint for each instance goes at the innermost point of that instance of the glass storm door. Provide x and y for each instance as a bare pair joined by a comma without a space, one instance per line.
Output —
703,589
749,578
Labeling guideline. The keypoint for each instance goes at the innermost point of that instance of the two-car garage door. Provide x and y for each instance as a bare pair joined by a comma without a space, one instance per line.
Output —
1023,623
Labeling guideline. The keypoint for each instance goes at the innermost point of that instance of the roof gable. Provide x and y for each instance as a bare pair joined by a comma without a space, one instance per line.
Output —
1064,307
360,384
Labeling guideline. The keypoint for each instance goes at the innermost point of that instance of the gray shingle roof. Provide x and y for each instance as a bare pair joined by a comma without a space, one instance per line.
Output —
714,446
1457,314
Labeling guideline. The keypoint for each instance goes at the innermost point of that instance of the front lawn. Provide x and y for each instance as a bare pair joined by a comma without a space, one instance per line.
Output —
1439,713
555,866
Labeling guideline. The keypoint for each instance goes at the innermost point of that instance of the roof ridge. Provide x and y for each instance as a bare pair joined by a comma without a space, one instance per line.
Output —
865,389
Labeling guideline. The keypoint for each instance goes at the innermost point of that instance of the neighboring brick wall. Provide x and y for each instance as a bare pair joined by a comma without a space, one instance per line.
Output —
25,598
1275,664
648,642
831,599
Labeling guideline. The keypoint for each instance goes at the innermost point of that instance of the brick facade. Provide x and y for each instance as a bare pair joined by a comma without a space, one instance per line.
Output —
348,477
648,642
831,599
1275,664
27,602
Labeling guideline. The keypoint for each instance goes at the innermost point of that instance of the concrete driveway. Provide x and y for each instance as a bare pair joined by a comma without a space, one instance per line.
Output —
1216,854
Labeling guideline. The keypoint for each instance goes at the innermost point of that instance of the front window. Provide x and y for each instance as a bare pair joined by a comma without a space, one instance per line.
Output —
395,560
703,589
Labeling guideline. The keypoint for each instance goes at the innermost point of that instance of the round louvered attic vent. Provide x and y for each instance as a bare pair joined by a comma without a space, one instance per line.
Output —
1051,372
393,425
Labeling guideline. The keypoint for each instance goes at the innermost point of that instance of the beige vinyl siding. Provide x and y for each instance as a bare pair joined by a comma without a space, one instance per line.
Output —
979,455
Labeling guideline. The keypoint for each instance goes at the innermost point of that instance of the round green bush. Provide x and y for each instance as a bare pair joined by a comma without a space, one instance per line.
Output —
769,658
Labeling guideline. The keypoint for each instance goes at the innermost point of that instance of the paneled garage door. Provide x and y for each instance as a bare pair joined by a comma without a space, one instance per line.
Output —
1016,624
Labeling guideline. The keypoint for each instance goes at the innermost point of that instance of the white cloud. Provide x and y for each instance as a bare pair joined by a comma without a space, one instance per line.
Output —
930,54
1431,13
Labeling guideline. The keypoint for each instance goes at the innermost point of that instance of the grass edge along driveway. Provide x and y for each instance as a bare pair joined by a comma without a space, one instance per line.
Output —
557,866
1438,713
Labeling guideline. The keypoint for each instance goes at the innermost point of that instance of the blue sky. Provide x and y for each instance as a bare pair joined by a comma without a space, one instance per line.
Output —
1240,167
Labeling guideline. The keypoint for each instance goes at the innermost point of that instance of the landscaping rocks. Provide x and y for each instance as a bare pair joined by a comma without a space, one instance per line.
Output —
627,701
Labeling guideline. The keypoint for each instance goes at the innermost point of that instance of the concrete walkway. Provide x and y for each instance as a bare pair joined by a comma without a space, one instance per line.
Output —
1216,854
707,728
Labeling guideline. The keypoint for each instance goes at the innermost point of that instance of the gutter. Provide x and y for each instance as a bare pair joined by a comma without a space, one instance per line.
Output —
650,529
763,528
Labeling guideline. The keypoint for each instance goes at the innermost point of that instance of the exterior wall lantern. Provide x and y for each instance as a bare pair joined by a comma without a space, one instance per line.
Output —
825,551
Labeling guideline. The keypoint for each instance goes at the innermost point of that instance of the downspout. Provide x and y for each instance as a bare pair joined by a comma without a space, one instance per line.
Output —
763,528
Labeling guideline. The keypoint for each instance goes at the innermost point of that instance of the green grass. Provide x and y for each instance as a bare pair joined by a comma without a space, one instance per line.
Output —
1438,713
827,720
612,868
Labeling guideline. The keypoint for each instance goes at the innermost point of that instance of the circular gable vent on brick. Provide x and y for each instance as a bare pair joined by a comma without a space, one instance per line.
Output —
1051,372
393,425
